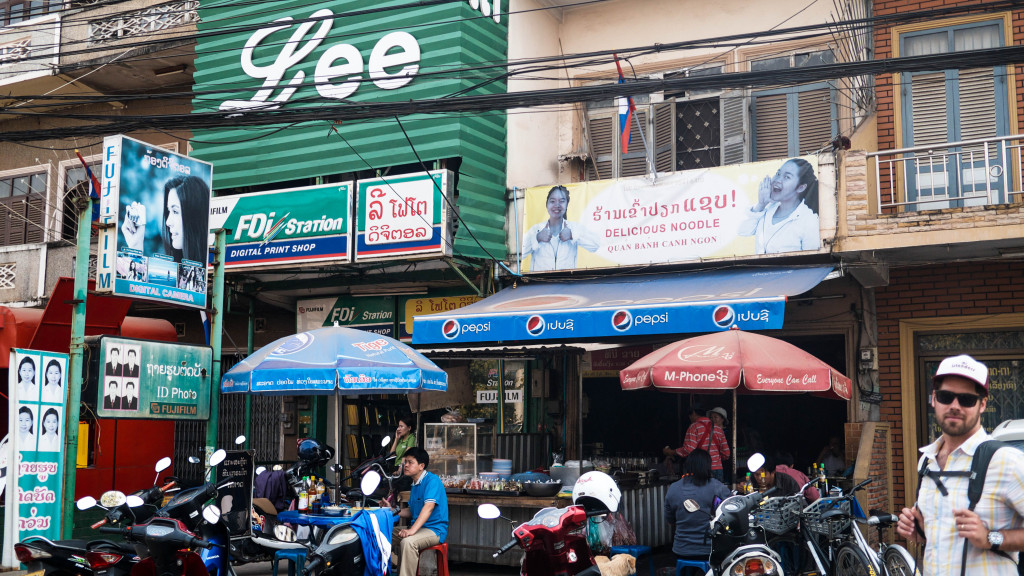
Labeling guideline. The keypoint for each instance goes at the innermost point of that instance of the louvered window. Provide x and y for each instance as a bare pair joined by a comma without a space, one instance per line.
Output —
22,209
793,122
946,106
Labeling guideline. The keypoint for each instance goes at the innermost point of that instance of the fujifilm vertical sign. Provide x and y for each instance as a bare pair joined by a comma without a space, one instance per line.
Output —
286,54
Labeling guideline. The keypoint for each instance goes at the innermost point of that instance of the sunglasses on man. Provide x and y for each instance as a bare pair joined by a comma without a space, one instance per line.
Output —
965,400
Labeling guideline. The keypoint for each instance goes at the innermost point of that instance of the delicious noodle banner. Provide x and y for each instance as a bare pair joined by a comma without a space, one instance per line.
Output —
758,208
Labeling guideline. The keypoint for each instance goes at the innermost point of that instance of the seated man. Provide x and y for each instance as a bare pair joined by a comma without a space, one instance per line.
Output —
428,511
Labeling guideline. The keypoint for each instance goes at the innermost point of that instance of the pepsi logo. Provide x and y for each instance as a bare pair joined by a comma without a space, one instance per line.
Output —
535,325
723,316
622,320
451,329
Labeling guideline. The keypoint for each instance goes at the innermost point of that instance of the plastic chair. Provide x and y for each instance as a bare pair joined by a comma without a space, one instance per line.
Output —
296,557
636,552
442,558
682,564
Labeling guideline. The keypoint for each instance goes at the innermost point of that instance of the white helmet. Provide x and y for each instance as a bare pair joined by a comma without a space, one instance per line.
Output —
596,492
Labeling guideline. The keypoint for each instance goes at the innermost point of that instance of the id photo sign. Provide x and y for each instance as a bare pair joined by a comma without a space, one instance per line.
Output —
159,204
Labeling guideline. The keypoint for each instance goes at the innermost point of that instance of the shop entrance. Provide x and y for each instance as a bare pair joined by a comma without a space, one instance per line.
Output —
640,423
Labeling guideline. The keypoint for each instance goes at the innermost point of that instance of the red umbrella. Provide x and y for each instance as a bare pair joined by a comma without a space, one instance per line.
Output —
734,360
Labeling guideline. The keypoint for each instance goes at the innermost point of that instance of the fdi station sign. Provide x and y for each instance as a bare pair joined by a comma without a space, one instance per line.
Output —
285,227
153,380
157,204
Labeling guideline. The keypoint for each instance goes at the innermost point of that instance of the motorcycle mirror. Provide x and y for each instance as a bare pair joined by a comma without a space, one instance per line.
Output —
193,460
488,511
337,467
284,533
755,462
162,464
218,457
369,483
134,501
211,514
385,442
112,499
85,502
261,470
240,440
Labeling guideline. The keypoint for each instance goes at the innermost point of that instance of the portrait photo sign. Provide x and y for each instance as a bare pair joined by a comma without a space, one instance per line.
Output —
153,380
768,207
37,383
159,204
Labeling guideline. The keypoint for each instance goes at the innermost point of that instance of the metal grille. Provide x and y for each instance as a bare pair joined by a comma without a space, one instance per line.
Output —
698,128
7,275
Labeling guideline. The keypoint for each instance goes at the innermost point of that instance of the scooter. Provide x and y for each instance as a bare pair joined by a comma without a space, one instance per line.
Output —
736,546
170,545
555,540
71,557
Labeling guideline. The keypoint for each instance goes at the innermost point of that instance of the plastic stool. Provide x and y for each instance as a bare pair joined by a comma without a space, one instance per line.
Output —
294,556
702,566
636,552
442,558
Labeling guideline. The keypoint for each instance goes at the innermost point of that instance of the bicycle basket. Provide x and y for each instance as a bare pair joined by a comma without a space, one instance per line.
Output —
780,514
829,527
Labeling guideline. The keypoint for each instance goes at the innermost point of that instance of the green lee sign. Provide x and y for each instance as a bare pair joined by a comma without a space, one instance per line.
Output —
153,380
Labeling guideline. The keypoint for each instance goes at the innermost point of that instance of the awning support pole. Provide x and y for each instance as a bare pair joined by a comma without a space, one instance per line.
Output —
216,335
469,282
249,350
735,447
76,349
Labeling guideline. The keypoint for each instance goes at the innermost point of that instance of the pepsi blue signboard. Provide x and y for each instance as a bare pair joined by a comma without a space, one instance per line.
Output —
698,302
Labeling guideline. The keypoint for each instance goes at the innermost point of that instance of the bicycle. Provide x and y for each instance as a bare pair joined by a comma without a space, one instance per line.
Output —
894,559
837,549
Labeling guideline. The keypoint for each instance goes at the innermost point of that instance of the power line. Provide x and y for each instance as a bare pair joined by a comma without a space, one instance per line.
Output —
102,124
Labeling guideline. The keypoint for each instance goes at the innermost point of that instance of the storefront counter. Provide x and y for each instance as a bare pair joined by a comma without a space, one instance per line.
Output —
473,539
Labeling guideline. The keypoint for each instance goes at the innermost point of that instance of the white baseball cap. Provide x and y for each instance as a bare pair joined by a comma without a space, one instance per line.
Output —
965,367
720,411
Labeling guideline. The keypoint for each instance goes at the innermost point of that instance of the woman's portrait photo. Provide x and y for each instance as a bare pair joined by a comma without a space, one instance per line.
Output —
28,387
553,243
183,228
53,386
49,439
785,218
26,428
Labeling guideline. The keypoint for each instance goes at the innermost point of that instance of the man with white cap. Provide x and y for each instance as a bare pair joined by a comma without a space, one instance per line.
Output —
940,519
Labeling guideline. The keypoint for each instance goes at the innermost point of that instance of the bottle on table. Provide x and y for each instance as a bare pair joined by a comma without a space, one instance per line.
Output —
304,494
321,491
822,479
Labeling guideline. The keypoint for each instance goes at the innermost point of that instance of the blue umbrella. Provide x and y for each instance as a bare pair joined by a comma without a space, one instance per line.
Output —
334,360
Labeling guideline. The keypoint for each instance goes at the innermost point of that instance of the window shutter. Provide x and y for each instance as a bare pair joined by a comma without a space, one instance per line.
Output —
734,127
634,163
664,138
977,104
7,218
928,98
815,119
35,213
602,153
16,216
771,127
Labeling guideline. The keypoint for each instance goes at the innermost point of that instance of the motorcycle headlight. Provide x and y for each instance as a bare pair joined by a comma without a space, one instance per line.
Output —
343,536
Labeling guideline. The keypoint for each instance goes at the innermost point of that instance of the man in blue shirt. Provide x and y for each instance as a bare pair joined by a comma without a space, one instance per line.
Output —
428,511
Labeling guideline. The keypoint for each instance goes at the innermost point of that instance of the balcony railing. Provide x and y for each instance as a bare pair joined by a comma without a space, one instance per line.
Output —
143,22
955,174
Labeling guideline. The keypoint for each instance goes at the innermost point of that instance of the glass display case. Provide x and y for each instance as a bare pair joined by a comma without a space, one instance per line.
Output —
452,448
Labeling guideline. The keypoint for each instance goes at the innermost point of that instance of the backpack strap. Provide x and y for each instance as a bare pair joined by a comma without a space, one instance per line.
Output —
976,485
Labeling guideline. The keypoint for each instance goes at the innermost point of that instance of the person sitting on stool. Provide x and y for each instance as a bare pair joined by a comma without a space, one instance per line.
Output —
428,510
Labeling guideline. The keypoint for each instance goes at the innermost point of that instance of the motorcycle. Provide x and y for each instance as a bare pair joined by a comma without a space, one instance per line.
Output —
555,539
72,557
170,545
736,546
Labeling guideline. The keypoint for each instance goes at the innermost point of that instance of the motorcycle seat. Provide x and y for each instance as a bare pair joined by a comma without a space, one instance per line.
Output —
109,545
834,514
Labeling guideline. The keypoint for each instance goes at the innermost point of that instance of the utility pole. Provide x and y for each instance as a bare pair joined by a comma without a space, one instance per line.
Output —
216,334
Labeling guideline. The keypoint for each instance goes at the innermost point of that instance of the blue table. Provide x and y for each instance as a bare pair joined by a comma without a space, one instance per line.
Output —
309,519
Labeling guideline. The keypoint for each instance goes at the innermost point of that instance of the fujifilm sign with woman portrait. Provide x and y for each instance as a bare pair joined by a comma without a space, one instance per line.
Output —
162,203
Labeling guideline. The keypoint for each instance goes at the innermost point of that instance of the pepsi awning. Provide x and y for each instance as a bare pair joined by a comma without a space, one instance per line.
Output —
706,301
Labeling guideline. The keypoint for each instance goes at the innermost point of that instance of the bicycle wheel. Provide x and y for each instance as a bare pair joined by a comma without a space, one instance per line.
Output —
897,561
851,561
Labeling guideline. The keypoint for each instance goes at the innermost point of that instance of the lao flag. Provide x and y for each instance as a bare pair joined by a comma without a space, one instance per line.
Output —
626,110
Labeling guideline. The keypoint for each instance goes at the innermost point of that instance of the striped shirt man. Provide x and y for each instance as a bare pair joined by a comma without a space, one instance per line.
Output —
706,436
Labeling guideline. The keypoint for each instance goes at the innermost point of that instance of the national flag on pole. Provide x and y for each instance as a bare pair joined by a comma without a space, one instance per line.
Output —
94,187
626,110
